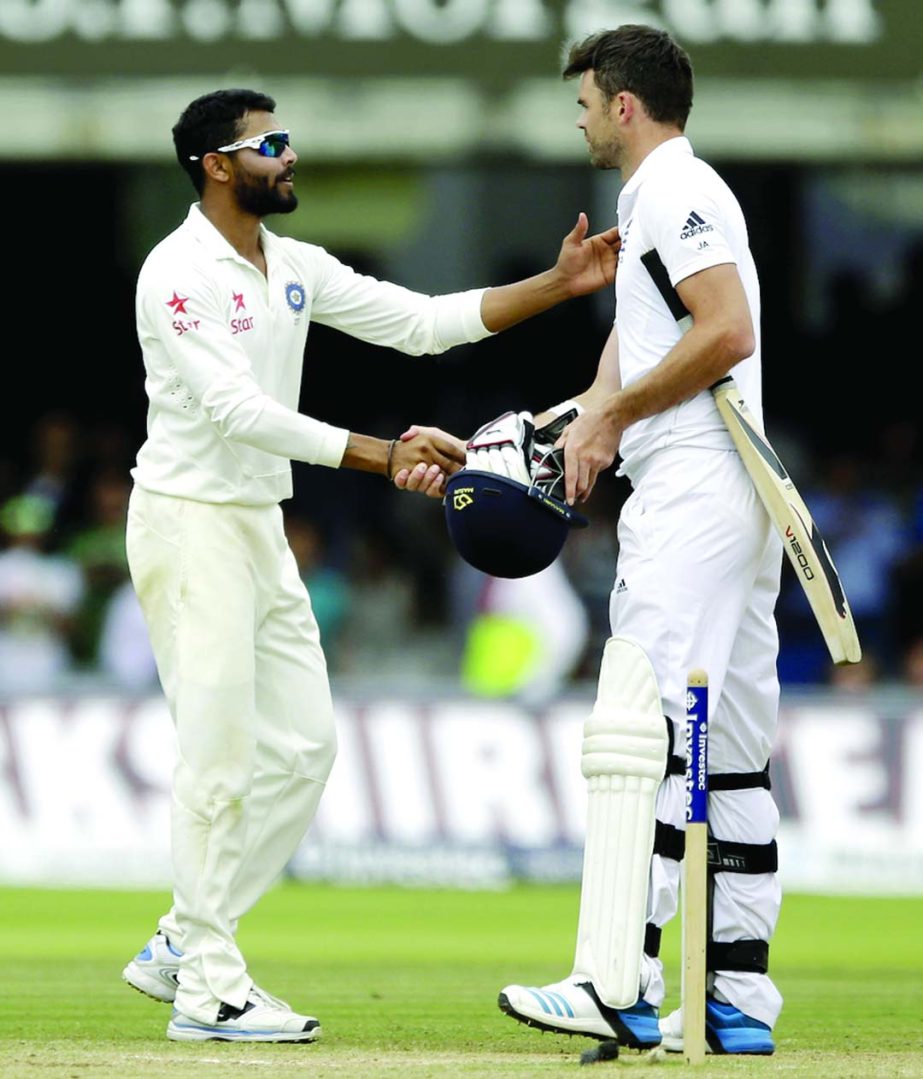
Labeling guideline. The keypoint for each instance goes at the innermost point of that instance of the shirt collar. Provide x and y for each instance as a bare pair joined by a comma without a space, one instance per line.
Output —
216,244
679,144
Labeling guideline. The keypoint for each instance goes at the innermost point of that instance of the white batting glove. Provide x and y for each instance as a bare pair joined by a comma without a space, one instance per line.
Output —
504,446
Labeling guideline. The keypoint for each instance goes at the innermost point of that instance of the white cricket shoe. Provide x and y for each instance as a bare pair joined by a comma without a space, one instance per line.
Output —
671,1030
263,1018
572,1006
154,971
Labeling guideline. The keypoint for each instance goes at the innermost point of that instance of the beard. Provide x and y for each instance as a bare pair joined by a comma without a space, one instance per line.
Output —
258,195
605,155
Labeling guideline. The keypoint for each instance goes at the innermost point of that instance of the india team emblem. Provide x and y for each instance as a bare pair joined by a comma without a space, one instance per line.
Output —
294,296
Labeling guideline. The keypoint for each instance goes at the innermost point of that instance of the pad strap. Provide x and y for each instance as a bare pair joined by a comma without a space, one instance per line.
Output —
751,956
740,781
676,765
669,841
725,856
652,935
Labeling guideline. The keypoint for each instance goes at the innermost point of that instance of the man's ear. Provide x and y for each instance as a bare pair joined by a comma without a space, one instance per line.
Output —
215,167
626,105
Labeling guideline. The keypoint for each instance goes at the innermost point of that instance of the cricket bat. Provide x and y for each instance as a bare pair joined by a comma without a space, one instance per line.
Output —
801,537
695,869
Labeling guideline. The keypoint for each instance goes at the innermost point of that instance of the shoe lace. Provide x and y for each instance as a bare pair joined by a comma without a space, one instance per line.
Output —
267,998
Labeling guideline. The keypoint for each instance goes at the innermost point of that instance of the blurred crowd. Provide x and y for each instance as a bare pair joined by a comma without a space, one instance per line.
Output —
396,606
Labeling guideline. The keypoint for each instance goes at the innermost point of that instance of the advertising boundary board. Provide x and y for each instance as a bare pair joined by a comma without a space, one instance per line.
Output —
444,790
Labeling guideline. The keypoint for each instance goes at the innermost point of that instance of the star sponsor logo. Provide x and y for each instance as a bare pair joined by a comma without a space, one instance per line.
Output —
238,298
178,303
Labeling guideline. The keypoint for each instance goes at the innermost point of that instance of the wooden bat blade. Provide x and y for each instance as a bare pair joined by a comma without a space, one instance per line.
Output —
788,512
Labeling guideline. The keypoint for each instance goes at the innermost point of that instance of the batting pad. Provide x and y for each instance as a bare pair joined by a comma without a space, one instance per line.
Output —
624,756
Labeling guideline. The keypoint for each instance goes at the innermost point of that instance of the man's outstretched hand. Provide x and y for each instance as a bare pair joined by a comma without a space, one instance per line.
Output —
588,263
415,467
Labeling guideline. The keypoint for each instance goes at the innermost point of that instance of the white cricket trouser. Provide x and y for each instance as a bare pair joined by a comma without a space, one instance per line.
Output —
696,585
240,661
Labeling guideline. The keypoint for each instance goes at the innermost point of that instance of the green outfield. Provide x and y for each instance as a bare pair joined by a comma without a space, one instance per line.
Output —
405,984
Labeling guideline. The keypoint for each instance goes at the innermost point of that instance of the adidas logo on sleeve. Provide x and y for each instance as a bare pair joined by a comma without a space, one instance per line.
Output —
695,226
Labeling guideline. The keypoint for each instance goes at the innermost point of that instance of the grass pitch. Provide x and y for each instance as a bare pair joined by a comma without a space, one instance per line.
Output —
405,983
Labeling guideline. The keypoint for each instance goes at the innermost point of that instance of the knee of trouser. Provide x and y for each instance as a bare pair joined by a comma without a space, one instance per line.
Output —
200,789
745,816
317,750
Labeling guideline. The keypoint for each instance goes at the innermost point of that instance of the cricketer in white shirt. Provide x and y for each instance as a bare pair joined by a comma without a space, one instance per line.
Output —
237,646
699,562
236,643
696,582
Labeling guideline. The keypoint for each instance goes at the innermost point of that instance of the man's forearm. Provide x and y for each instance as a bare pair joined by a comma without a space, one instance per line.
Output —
695,362
505,305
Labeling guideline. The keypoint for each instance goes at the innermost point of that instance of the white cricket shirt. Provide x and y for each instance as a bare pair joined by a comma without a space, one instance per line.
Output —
676,217
223,350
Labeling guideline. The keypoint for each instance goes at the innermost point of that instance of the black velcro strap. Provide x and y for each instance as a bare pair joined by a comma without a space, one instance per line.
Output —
740,781
652,935
676,766
625,1035
669,841
747,955
725,856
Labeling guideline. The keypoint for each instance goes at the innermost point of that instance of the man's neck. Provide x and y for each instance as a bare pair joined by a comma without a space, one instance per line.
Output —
241,230
645,142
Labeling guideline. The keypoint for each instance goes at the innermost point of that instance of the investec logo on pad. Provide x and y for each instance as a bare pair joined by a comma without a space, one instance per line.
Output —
695,226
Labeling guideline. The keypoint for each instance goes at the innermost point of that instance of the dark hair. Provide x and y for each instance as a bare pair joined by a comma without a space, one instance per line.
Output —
642,60
210,121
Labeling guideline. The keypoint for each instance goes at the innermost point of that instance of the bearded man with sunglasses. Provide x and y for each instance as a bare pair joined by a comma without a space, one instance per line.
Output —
223,308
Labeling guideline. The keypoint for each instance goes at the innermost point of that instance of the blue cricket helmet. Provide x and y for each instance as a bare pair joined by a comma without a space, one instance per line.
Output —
504,528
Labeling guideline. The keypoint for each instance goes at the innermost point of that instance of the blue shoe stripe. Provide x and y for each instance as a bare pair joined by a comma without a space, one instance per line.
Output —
145,954
563,1000
220,1030
540,997
551,1000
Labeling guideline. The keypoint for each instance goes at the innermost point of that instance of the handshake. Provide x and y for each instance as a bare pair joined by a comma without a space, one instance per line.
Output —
511,446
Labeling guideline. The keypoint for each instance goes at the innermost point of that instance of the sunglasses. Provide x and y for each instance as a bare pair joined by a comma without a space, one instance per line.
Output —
270,144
